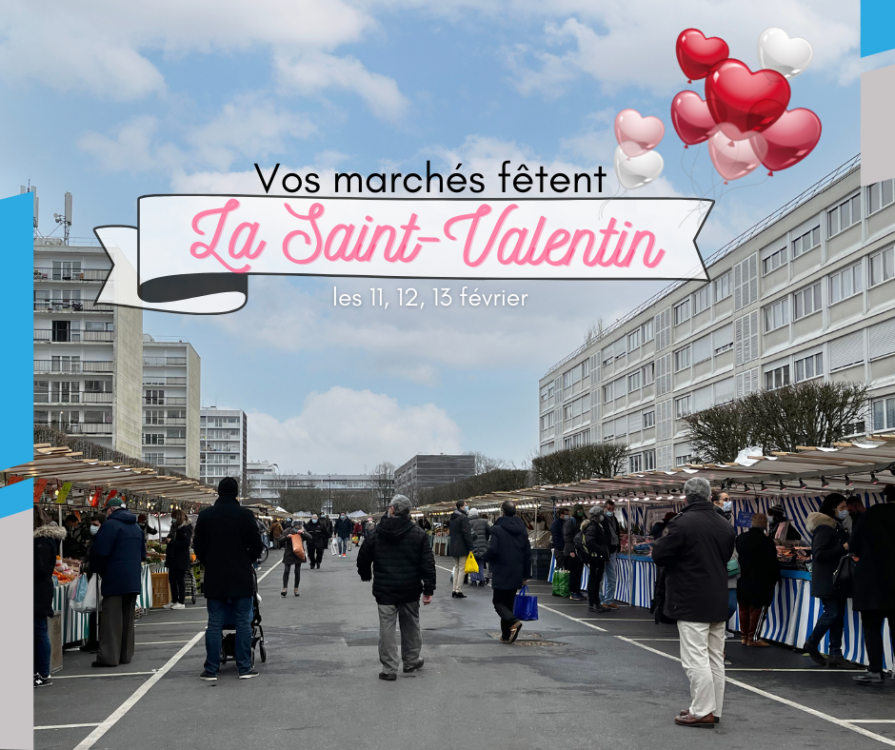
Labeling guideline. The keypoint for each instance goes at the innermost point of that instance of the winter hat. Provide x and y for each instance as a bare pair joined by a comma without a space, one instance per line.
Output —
115,502
595,511
777,510
473,512
228,486
577,509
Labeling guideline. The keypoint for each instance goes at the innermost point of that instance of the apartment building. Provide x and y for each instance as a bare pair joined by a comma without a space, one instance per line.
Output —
223,443
431,470
371,492
808,293
86,356
171,403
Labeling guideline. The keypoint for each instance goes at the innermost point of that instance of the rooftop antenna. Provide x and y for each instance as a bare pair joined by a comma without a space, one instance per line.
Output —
64,219
32,189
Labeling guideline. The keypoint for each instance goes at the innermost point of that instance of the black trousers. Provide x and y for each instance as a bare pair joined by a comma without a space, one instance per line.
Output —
575,567
316,556
178,585
116,635
594,582
873,637
288,567
503,601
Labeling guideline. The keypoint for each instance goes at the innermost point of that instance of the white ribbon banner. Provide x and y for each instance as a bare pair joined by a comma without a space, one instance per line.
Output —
194,253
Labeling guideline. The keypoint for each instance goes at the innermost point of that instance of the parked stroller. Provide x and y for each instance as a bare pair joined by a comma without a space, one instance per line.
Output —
228,642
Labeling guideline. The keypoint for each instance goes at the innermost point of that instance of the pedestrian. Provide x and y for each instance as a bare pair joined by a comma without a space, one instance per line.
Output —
481,531
724,508
327,524
571,561
369,528
659,526
276,532
509,556
343,531
759,575
610,575
117,555
357,532
856,509
694,551
398,559
873,543
595,553
461,543
177,557
779,526
92,529
143,523
290,559
829,543
425,524
47,539
558,541
71,547
319,540
228,542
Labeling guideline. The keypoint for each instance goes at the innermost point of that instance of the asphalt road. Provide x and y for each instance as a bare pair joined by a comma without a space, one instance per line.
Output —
586,681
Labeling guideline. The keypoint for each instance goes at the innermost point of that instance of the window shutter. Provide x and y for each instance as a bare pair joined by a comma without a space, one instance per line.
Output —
663,375
702,398
882,339
848,350
681,450
595,431
621,427
753,336
746,338
745,282
702,349
738,286
663,329
739,342
724,391
635,421
723,336
752,265
664,458
664,420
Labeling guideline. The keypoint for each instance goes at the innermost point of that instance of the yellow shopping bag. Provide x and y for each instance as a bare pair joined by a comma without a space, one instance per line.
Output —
471,565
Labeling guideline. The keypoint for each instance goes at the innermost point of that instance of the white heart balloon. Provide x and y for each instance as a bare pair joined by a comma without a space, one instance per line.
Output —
777,51
636,171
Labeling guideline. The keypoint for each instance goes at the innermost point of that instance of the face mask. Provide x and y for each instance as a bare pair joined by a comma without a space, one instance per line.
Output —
93,530
728,506
313,520
610,513
843,514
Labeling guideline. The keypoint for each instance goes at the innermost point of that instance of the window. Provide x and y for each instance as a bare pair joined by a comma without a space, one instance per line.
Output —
702,349
806,242
634,381
846,351
682,407
154,458
154,416
882,266
722,287
576,408
809,367
776,315
722,339
648,331
852,429
776,378
41,391
649,460
884,414
634,340
607,393
773,261
846,283
806,301
649,373
153,438
745,282
635,463
682,359
682,312
576,440
880,195
548,420
844,215
98,386
573,376
608,357
746,338
66,393
683,460
154,397
649,419
702,299
546,393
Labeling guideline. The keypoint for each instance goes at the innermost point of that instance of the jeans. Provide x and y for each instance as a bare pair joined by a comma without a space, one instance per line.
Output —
411,636
503,601
228,612
593,583
343,545
702,654
833,620
610,577
178,585
873,637
41,646
731,604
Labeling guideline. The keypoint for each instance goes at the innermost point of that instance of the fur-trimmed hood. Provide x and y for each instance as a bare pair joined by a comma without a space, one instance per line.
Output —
51,532
819,519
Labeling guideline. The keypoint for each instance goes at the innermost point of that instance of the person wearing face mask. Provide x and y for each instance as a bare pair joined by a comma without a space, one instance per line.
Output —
90,530
829,544
610,572
319,540
724,508
856,509
760,575
344,527
571,559
462,542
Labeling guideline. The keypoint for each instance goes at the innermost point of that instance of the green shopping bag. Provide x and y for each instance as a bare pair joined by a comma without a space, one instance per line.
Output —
561,583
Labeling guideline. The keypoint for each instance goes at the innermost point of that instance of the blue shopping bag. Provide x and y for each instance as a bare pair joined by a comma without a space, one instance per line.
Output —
526,605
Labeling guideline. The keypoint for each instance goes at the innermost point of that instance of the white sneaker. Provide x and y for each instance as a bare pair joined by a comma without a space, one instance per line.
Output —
169,605
178,606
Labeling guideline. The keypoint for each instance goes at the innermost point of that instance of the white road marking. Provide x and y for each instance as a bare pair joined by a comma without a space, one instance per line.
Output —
67,726
573,619
105,674
159,643
165,624
770,696
869,721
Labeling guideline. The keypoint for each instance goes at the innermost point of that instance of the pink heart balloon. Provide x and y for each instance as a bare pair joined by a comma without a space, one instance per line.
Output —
691,118
637,135
791,139
736,158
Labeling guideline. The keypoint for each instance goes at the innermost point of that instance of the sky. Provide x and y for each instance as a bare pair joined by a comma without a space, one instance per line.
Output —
115,101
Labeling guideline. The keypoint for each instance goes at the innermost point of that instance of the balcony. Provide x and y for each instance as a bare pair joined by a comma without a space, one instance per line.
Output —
80,428
164,400
164,381
68,336
163,422
78,397
171,461
51,365
70,274
164,361
69,306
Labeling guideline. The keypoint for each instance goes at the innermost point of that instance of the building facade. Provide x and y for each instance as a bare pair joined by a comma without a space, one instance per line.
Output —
223,444
424,471
371,492
808,293
87,357
171,404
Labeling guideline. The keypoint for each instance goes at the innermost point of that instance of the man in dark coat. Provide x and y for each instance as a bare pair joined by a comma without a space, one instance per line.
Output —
227,542
509,557
694,550
398,559
559,542
873,543
319,539
610,572
117,555
327,524
461,543
595,554
344,527
573,563
47,538
759,575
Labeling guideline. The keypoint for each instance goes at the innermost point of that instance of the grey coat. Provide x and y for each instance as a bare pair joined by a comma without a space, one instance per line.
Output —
481,530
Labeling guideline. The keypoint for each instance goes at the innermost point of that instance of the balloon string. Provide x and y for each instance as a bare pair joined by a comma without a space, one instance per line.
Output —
603,205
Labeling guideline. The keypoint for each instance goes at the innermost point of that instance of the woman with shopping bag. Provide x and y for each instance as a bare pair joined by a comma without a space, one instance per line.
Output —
509,560
296,549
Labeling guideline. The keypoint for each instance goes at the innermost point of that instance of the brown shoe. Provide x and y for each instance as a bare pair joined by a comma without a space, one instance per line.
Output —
612,605
759,643
686,712
689,720
744,641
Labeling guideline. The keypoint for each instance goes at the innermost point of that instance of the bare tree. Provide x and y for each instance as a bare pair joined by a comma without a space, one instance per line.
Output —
595,332
384,473
484,464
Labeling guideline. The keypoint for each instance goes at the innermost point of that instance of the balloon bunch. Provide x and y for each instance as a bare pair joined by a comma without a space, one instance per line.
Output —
744,117
636,164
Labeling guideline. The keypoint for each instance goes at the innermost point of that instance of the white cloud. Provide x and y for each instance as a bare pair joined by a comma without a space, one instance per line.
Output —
312,72
344,430
131,148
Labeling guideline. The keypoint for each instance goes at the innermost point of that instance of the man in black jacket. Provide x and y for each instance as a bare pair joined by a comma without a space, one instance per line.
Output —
556,534
227,542
398,559
344,527
573,563
610,571
694,551
461,544
509,558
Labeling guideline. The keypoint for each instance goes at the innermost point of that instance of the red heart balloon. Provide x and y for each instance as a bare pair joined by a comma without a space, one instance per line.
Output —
691,118
791,139
697,55
749,101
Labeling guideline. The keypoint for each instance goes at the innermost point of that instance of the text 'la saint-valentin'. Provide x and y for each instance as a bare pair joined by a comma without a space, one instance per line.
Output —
236,240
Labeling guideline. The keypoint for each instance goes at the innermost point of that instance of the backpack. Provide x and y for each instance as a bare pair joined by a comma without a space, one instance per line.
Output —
582,550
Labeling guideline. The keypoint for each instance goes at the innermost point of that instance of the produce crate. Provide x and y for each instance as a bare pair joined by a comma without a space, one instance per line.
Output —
161,590
540,563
